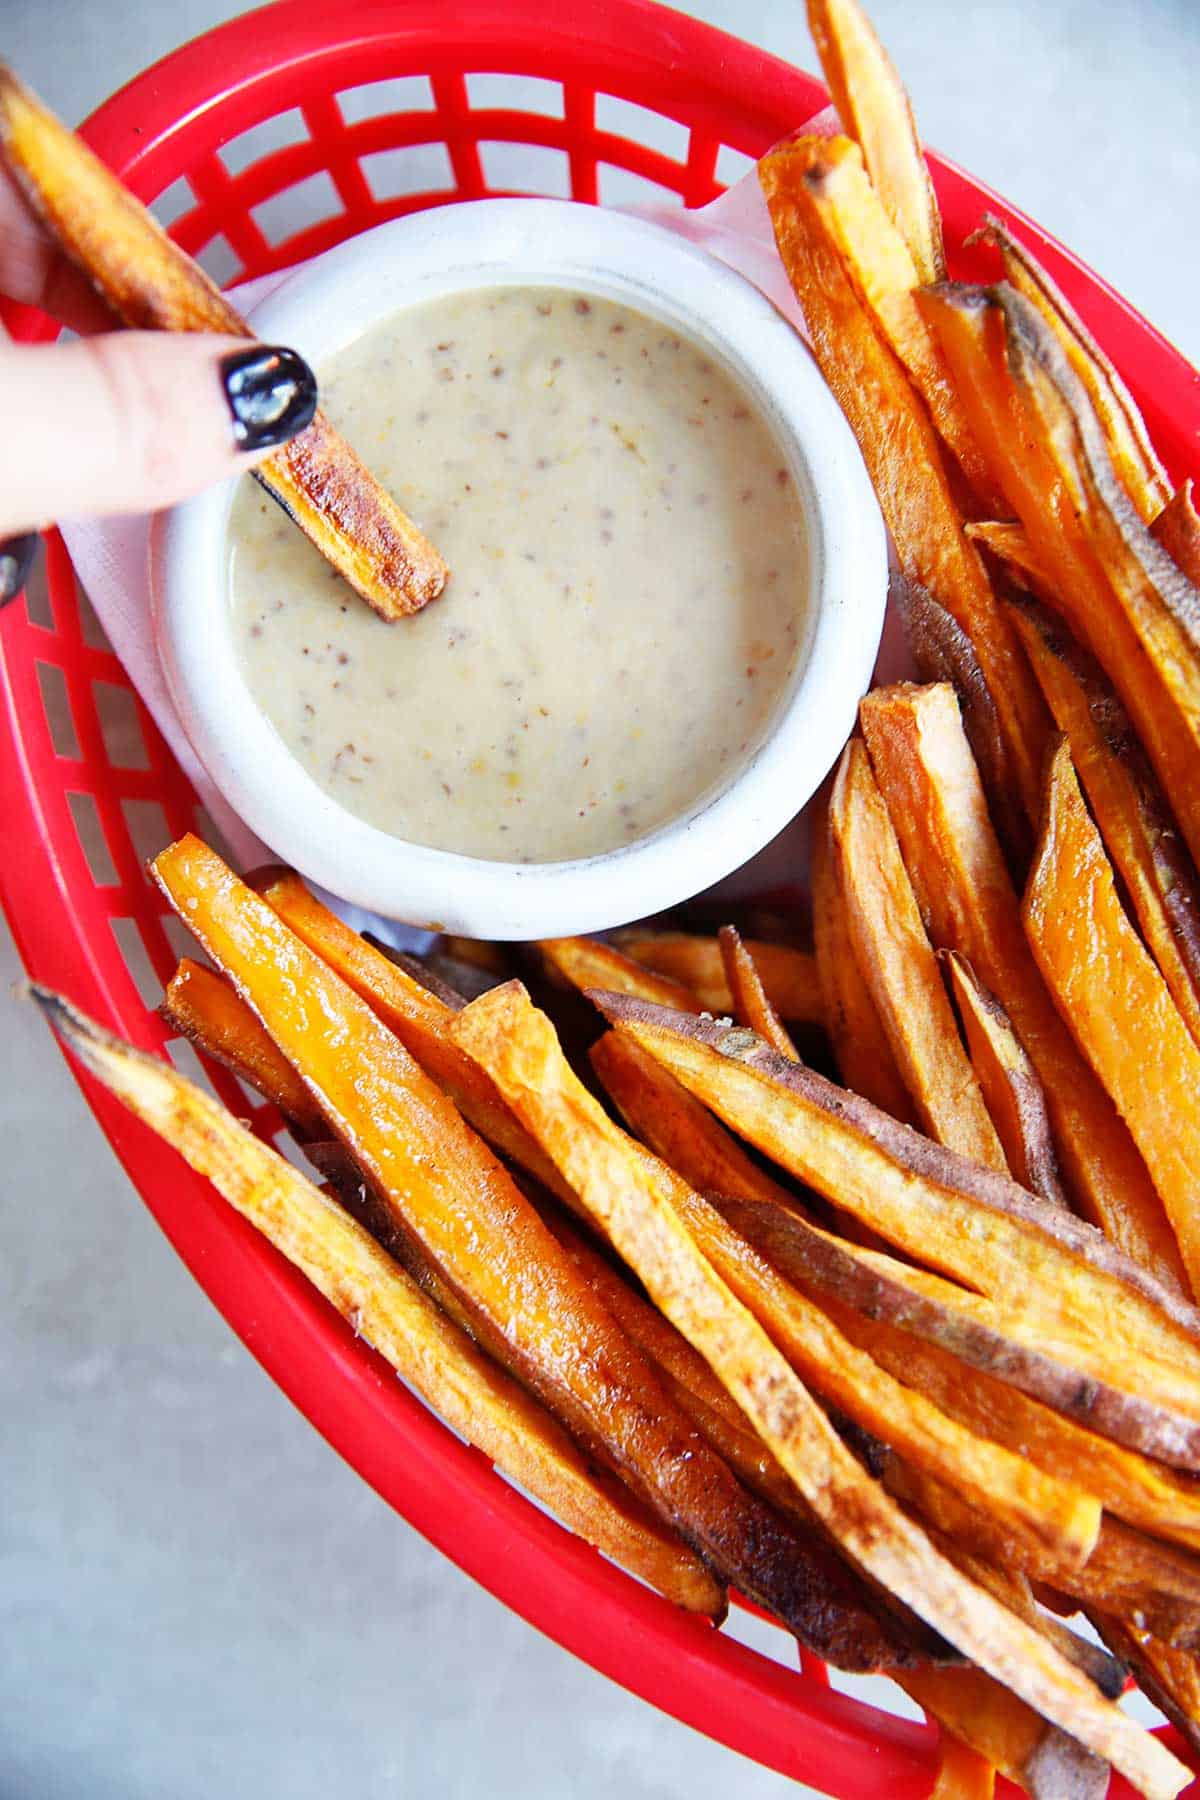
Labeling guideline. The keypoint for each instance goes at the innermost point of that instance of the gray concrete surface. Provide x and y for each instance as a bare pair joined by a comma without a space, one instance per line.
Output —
197,1597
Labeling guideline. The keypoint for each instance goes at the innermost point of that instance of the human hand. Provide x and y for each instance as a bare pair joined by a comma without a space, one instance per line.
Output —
121,421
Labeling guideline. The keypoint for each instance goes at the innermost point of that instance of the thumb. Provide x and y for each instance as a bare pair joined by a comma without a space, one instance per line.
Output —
135,420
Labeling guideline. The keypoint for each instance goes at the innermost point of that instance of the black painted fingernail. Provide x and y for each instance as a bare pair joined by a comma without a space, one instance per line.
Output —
16,560
272,394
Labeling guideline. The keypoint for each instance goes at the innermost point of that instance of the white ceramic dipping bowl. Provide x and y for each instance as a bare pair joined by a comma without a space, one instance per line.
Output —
321,309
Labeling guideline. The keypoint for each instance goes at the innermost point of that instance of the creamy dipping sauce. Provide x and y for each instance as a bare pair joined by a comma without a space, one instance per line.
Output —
628,592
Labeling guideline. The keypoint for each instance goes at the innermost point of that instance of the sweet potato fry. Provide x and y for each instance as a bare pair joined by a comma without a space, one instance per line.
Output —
900,448
942,651
1170,1678
674,1124
1016,384
924,767
751,1005
864,1056
408,1008
1177,529
899,966
384,1306
942,1343
150,283
1046,1763
1129,806
1009,1082
586,962
789,975
633,1200
874,108
963,1774
1116,1002
1076,1288
880,264
444,1189
204,1009
1007,539
1141,473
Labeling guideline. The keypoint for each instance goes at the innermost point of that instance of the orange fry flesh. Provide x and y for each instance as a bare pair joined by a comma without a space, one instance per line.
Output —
789,975
751,1003
586,962
204,1009
1117,1003
633,1205
1011,1089
148,282
864,1056
875,110
1129,806
928,777
899,966
449,1371
900,448
963,1774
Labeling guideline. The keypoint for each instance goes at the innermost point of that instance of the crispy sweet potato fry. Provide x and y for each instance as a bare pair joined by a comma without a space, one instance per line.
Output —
1009,1081
788,974
1135,822
586,962
408,1008
1116,1002
881,266
900,448
1133,455
864,1056
751,1005
1177,529
672,1123
1170,1678
150,283
875,110
942,651
924,767
384,1306
444,1188
926,1341
1007,539
637,1208
963,1774
204,1009
899,966
986,336
1078,1291
1043,1761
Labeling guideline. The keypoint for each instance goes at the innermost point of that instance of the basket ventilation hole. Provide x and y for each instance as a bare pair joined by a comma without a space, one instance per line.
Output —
180,942
120,726
621,187
404,94
526,168
287,1146
92,841
516,93
275,133
56,703
136,958
193,1066
220,261
173,202
90,629
760,1634
876,1690
147,825
732,165
412,169
295,208
205,827
37,594
641,126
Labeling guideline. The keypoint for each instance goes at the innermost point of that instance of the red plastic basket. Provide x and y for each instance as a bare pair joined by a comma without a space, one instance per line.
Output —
87,786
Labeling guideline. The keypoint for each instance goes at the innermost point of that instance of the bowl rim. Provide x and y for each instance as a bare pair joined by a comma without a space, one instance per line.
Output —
323,306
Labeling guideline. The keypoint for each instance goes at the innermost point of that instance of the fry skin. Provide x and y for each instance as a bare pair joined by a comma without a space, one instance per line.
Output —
900,448
1177,529
148,282
1116,1002
898,964
634,1204
924,767
382,1304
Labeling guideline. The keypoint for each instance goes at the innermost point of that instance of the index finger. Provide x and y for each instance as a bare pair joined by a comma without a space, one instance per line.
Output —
35,272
